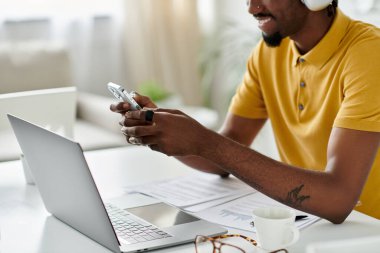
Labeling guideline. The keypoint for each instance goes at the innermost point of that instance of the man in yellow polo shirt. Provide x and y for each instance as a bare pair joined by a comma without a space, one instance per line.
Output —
315,75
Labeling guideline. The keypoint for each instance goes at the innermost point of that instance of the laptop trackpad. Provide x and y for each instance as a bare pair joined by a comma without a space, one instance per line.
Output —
162,215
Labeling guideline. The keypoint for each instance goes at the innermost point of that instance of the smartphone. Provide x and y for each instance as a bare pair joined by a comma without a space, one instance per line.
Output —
120,93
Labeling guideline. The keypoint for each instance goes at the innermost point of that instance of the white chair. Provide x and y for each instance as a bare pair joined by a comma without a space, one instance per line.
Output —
54,109
31,66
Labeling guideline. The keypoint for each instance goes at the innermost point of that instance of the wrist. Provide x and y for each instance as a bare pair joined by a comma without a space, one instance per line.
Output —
209,143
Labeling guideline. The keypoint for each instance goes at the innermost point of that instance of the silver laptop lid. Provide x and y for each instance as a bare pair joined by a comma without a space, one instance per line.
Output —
65,182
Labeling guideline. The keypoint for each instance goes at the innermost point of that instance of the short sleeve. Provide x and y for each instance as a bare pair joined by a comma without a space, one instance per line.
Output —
360,109
248,100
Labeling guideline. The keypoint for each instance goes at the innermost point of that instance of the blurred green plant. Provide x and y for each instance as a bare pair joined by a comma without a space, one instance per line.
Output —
225,52
154,90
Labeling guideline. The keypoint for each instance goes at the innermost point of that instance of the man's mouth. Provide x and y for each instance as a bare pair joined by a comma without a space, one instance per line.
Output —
264,21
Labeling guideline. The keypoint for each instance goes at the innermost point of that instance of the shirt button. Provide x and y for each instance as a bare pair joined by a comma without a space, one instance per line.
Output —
301,107
301,60
303,84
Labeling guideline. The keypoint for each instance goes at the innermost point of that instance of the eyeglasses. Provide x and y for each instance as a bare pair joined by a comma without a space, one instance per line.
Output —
204,244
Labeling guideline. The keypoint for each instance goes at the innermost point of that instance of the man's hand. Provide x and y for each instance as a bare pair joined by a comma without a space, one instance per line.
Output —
123,107
170,132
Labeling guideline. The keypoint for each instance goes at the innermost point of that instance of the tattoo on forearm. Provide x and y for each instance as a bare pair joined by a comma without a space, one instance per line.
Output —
294,198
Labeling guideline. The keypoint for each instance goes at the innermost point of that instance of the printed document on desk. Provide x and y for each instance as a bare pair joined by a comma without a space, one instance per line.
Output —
238,213
195,192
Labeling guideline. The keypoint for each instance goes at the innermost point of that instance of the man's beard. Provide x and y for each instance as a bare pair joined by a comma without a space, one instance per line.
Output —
273,40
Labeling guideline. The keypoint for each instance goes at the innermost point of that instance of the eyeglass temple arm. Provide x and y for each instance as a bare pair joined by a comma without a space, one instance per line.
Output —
279,250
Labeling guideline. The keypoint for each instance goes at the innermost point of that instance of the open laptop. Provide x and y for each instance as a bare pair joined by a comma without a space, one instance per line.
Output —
70,194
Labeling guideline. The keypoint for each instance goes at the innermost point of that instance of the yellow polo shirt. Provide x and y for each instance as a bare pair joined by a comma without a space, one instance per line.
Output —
336,84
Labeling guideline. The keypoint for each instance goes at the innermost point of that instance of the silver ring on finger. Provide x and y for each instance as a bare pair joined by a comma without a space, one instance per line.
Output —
127,137
135,140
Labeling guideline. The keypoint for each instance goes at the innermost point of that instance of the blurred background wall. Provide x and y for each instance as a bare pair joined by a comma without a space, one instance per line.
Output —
195,50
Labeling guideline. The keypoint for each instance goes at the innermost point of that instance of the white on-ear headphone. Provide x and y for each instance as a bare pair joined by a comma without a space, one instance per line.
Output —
316,5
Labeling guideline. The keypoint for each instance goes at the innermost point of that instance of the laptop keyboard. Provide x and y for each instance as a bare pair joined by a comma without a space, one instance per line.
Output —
132,229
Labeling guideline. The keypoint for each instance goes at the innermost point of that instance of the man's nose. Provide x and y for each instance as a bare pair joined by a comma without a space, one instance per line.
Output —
254,6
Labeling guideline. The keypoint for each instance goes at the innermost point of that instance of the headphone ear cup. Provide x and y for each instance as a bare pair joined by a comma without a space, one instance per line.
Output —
316,5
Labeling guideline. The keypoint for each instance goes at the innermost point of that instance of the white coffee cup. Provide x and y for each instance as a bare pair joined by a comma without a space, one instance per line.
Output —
275,227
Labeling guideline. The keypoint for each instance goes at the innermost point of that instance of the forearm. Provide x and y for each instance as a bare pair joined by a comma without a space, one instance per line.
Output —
241,130
331,194
306,190
202,164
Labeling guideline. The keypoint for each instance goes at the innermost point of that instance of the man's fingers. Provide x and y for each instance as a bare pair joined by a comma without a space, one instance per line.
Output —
151,114
120,107
139,131
149,140
144,101
132,122
171,111
135,141
142,140
145,115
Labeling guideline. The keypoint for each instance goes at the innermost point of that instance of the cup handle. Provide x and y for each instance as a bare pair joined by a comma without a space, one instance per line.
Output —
296,236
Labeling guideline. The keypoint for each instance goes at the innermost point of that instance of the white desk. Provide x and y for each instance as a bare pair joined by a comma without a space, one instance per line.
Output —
26,227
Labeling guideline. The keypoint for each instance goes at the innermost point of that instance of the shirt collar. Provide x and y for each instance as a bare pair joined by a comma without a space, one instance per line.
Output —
325,48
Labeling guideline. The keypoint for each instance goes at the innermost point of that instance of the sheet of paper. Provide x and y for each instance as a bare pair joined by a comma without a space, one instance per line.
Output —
192,190
212,203
238,213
